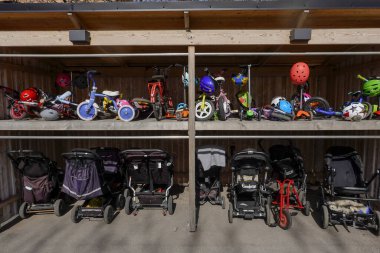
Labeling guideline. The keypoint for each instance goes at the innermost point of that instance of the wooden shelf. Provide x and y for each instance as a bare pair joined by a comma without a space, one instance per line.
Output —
173,125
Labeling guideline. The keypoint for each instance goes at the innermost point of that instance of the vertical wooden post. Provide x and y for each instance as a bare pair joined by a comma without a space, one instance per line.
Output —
191,132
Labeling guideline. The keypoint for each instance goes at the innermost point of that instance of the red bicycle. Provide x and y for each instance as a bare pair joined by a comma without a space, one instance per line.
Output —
162,105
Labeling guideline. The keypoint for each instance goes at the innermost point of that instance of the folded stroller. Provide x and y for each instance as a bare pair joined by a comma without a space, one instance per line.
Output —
149,176
40,183
86,180
344,193
249,197
210,161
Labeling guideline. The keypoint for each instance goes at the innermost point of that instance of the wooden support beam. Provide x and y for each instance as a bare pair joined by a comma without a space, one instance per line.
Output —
191,132
8,201
195,37
302,18
186,16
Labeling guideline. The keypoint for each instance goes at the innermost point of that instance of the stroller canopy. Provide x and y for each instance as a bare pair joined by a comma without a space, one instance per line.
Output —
83,176
211,156
250,159
111,158
347,165
287,161
139,154
31,163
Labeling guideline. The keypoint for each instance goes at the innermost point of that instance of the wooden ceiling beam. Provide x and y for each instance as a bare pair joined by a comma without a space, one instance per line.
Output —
369,36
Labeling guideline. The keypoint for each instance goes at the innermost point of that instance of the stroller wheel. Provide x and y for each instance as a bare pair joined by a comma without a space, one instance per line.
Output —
75,214
120,201
377,220
59,207
230,213
170,205
223,202
306,208
128,205
108,214
285,222
126,193
325,217
23,210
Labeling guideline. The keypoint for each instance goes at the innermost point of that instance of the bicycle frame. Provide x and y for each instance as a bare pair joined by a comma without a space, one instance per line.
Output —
152,87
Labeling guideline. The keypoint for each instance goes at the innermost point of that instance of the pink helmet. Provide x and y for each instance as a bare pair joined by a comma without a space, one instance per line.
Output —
63,80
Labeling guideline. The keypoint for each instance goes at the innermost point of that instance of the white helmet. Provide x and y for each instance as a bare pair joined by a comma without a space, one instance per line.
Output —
49,114
276,100
354,112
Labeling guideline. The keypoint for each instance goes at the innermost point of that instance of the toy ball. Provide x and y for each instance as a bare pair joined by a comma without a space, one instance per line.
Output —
354,112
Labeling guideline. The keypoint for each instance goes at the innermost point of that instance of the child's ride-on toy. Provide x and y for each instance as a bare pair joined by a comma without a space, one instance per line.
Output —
88,110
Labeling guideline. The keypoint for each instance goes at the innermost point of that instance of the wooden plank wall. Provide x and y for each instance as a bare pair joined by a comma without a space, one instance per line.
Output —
331,83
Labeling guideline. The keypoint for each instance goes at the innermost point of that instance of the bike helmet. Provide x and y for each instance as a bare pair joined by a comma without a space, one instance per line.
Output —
285,106
240,80
29,95
207,85
49,114
276,101
181,106
185,79
354,112
63,80
80,81
299,73
371,88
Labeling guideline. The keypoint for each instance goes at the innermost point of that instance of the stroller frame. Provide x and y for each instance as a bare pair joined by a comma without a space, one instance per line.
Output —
56,204
110,200
215,185
262,208
136,200
328,193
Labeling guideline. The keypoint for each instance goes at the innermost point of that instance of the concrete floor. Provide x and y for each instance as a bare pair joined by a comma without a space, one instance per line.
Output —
150,231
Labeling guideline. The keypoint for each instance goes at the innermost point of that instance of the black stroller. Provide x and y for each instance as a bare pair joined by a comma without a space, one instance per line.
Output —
149,176
344,193
248,194
210,161
288,164
40,183
87,179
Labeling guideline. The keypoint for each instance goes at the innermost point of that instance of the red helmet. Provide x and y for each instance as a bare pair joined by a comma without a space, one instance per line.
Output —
63,80
29,95
299,73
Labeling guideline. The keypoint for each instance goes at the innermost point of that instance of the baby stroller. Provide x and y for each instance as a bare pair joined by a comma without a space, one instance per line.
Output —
210,161
149,176
248,195
40,183
86,179
344,193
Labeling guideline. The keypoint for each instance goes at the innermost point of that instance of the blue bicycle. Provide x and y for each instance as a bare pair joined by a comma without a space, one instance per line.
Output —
88,110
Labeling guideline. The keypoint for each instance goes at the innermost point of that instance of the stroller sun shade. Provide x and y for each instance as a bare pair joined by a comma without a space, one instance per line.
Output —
210,157
250,159
347,165
83,174
111,158
30,163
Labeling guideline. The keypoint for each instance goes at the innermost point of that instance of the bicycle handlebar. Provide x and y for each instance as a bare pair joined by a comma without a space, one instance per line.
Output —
362,78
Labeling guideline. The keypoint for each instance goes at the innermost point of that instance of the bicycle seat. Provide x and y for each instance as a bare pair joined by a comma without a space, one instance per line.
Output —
111,93
158,77
220,79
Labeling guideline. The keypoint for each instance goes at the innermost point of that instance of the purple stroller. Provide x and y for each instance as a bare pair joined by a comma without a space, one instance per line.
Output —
86,179
149,175
40,183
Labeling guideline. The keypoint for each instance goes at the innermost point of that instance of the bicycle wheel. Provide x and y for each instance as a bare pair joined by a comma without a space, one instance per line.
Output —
157,106
85,112
206,113
314,103
221,107
126,113
368,108
18,111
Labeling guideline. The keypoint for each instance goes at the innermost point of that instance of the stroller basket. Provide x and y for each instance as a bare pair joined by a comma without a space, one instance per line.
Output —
83,177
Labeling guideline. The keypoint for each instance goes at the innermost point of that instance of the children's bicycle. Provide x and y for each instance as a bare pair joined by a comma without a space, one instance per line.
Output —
162,104
371,88
88,110
207,103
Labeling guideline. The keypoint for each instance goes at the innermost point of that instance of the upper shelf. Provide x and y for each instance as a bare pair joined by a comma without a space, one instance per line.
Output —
173,125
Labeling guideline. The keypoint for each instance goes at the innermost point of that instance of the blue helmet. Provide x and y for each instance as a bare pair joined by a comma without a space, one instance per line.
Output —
207,84
285,106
